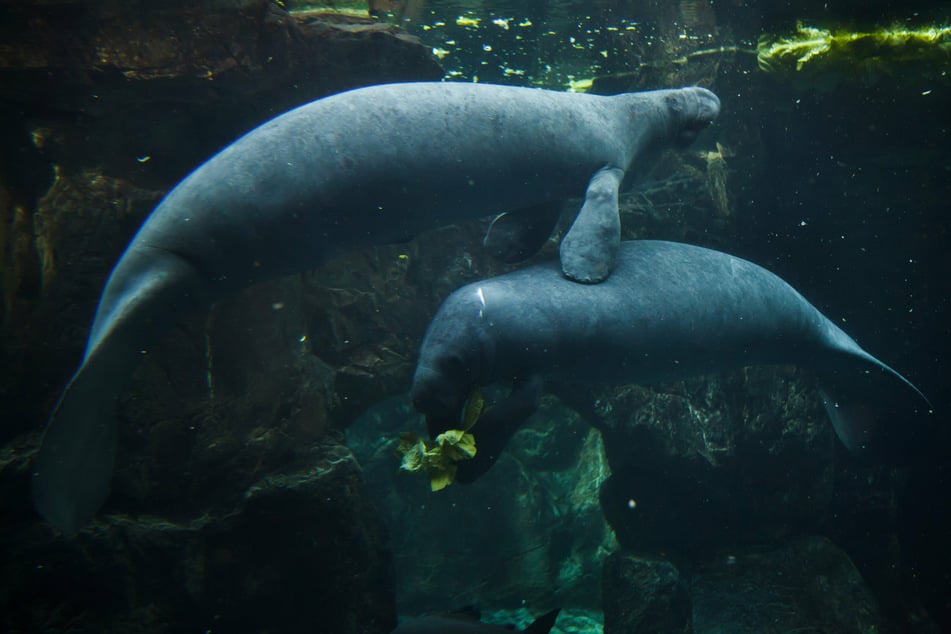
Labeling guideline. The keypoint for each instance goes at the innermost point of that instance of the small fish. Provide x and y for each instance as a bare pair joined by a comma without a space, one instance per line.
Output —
466,621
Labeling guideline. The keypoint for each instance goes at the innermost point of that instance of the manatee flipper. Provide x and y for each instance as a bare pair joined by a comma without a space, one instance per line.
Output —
875,411
514,236
589,248
497,426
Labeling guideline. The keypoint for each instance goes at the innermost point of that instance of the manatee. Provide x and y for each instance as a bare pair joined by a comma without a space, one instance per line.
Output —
669,311
367,167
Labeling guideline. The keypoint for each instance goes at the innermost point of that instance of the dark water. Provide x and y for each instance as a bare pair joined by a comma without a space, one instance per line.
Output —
723,503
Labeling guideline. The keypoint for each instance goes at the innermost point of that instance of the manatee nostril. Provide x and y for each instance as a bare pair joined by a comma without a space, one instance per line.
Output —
705,108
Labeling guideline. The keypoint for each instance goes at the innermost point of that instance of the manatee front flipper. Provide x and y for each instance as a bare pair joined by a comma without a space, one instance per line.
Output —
497,426
514,236
590,246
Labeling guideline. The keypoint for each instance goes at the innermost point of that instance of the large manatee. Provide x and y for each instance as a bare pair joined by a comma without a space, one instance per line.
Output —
365,167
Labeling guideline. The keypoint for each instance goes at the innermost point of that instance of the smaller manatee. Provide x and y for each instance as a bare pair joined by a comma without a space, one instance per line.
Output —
668,312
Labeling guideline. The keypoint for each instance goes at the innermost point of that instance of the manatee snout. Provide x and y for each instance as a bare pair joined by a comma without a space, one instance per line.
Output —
698,108
436,397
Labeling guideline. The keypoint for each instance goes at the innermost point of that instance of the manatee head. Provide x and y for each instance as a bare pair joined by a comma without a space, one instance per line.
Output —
691,111
452,361
439,393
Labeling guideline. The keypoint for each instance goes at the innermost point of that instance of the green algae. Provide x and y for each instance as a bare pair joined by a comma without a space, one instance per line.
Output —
814,49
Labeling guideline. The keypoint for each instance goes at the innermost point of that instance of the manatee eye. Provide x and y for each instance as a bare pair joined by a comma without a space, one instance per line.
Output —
675,102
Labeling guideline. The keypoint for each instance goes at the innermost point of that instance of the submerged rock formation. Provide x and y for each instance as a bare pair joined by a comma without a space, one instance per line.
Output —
712,460
302,551
807,584
529,533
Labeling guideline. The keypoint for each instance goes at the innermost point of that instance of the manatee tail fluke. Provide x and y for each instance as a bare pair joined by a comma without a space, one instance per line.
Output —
71,472
876,412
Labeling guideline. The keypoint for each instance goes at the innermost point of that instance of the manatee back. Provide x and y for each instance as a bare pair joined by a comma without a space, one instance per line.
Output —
668,311
400,157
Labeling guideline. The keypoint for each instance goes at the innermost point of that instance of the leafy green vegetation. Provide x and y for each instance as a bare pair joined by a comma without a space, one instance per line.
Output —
438,457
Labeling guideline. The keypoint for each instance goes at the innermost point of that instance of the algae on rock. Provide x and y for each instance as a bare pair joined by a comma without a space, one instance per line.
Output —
817,50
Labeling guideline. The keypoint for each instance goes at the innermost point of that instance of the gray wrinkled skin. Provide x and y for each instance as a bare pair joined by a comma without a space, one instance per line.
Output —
668,312
366,167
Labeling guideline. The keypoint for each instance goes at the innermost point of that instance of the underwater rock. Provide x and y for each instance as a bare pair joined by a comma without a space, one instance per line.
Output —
644,594
807,584
149,93
744,454
530,532
469,621
64,245
686,199
302,551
